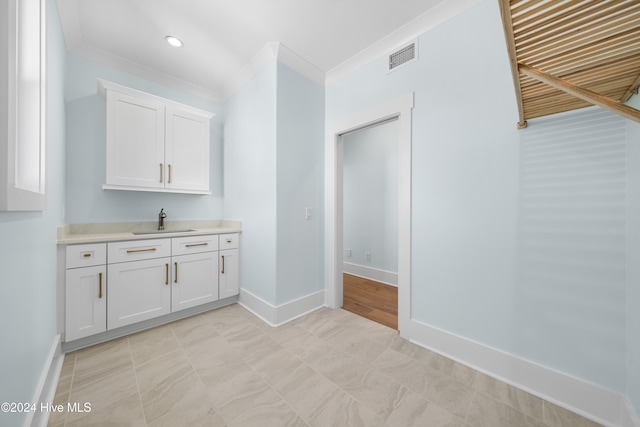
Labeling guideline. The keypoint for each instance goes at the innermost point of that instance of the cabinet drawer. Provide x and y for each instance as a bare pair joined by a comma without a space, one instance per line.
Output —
228,241
86,255
134,250
194,244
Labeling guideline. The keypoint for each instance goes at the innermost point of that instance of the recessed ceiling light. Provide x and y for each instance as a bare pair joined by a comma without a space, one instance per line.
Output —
174,41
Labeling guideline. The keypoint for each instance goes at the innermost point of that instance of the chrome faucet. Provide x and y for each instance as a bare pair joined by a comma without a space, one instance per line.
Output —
161,217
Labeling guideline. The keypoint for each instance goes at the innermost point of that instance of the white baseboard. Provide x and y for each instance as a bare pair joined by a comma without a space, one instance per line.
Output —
382,276
590,400
629,416
283,313
46,388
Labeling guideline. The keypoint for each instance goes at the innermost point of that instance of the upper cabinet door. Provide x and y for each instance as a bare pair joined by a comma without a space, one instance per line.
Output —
135,141
186,150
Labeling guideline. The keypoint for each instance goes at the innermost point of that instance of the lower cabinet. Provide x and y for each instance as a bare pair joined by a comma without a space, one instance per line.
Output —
195,280
85,290
138,291
110,285
229,269
86,302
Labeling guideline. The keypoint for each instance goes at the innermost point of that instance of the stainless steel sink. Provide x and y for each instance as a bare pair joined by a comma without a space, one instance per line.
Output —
139,233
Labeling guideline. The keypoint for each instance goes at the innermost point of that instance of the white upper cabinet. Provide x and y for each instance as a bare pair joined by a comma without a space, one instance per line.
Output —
154,144
135,141
186,150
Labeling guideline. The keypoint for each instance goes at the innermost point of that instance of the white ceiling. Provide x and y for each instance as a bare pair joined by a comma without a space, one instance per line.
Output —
221,37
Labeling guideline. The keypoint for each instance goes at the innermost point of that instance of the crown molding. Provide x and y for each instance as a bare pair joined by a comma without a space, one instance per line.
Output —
430,19
265,56
271,52
301,65
148,73
441,12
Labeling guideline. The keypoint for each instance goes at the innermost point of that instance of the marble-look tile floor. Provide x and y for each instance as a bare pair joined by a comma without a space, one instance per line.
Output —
328,368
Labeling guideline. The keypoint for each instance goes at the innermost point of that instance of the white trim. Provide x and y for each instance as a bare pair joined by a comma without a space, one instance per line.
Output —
301,65
629,416
104,85
278,315
587,399
132,67
376,274
271,52
46,388
399,107
428,20
13,196
264,57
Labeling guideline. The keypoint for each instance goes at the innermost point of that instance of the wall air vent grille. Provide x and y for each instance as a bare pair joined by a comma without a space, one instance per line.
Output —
403,56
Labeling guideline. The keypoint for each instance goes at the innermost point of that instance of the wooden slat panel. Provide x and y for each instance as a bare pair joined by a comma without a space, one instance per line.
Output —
571,23
596,99
592,46
624,42
565,42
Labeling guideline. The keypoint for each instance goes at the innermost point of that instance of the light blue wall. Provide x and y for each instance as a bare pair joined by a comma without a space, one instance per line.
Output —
28,254
570,290
370,198
464,171
273,155
300,163
466,201
86,153
250,179
633,264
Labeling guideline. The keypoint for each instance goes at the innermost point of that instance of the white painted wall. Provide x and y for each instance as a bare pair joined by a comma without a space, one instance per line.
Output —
370,198
28,251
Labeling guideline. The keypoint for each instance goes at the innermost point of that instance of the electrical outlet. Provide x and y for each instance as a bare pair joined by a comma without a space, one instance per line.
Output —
348,253
367,256
307,213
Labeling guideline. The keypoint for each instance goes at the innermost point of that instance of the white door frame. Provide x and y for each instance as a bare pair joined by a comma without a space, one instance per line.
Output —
401,108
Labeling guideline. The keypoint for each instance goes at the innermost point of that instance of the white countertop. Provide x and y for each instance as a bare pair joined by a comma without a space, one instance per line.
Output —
114,231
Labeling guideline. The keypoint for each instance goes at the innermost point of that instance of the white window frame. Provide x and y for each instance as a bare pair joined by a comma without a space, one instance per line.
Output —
16,194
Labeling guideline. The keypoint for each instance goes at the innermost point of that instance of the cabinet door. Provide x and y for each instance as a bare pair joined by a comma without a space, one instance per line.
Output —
135,141
138,290
187,150
229,273
195,280
85,302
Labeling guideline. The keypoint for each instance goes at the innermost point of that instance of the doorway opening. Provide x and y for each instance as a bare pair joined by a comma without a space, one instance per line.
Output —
396,109
370,222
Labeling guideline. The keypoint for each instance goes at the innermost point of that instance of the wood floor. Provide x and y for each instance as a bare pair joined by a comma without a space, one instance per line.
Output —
373,300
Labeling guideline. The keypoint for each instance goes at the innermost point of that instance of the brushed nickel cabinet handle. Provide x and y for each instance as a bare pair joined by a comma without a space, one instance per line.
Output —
100,286
222,264
175,264
166,274
160,172
131,251
196,244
